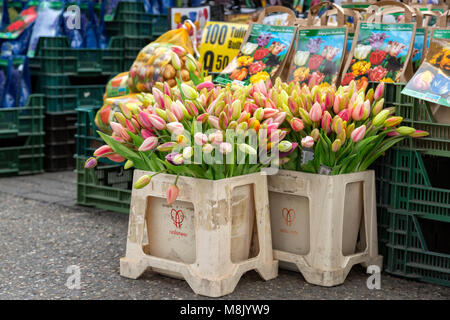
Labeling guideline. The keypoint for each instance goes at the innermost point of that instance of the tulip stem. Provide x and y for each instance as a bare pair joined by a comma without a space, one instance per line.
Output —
176,179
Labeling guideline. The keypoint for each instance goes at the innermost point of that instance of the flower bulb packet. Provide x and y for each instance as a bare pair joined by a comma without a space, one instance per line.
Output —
319,52
431,82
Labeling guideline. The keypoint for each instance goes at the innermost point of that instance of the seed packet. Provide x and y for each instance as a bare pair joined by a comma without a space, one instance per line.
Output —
16,36
46,24
432,81
118,86
319,53
380,52
262,55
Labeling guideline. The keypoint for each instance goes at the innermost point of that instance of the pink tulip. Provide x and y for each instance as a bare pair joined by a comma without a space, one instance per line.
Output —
175,128
102,150
216,137
358,133
225,148
130,126
208,85
90,163
200,138
203,118
326,122
172,194
142,182
358,112
157,122
297,124
146,133
366,108
419,133
158,95
149,144
379,91
175,158
307,142
214,122
115,158
269,113
315,114
280,117
338,125
144,119
177,110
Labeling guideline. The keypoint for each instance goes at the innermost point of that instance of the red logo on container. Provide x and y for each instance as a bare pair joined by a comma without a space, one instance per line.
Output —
177,217
288,216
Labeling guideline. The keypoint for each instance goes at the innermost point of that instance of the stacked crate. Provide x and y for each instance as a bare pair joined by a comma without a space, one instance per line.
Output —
414,195
22,138
108,185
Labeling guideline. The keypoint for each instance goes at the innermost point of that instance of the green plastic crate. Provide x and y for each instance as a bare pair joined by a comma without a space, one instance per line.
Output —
68,98
417,113
21,156
105,187
87,137
133,45
160,25
409,254
22,121
55,56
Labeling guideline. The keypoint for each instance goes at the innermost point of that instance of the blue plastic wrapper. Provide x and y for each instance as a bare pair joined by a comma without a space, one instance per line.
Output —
74,35
2,85
5,70
25,82
91,30
4,15
46,24
15,83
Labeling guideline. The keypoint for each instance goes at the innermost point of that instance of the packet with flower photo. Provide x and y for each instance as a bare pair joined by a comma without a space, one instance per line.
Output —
432,81
319,51
263,53
381,51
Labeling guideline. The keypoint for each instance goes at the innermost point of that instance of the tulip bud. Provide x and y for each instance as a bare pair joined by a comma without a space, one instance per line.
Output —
182,140
158,95
200,138
125,111
254,124
297,124
214,122
344,115
223,121
90,163
128,164
380,118
315,114
144,120
175,128
129,125
175,158
176,63
149,144
338,125
358,133
189,92
379,91
406,131
166,147
216,137
419,133
315,134
366,110
336,145
280,117
207,148
102,150
172,193
191,66
392,121
157,121
142,182
203,118
284,146
119,117
358,112
177,109
326,122
146,133
378,107
225,148
207,84
350,129
369,95
188,152
337,104
305,116
307,142
245,148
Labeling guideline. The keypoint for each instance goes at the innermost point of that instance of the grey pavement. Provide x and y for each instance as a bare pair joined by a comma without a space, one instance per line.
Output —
43,231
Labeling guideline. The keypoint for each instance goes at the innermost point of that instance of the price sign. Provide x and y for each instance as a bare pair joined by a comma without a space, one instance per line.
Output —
220,44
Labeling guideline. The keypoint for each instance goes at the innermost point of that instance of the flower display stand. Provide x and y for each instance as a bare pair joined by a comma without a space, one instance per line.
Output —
206,237
323,225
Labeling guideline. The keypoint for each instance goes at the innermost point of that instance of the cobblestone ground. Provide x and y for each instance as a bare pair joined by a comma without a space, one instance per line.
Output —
43,232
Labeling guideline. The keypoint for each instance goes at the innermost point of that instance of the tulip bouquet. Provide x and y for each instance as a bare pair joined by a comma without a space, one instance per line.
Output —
344,130
199,131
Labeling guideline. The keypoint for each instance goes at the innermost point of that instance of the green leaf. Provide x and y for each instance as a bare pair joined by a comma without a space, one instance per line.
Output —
124,151
137,140
309,167
388,143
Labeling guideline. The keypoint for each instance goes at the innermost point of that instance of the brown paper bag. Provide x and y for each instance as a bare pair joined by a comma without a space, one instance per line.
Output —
381,52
